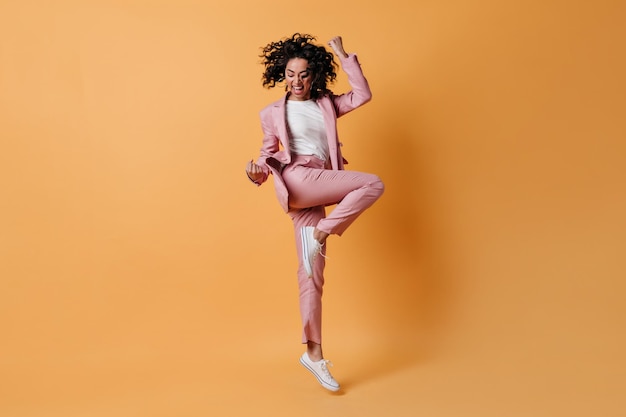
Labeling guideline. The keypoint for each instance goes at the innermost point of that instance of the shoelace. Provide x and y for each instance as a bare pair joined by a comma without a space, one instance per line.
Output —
319,252
324,366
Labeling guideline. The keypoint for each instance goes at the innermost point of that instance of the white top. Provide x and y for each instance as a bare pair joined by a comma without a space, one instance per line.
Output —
307,133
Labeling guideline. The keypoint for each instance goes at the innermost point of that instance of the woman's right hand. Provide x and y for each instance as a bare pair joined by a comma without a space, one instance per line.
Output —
254,171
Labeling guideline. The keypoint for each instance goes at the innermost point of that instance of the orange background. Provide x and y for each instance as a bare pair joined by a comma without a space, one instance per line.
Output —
143,275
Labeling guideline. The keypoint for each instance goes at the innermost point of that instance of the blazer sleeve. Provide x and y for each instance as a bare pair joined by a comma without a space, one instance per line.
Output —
270,142
360,92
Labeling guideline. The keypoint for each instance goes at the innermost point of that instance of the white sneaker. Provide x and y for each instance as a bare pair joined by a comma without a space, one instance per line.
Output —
321,372
310,248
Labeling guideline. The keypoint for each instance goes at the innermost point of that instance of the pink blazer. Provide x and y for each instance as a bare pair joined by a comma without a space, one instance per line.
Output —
275,149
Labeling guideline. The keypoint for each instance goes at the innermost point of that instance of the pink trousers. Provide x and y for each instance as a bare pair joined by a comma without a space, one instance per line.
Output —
312,188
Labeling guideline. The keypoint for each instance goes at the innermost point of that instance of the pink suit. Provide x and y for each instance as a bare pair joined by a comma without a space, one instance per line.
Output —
305,185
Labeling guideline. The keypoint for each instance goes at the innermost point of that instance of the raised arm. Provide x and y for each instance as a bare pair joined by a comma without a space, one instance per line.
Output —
360,93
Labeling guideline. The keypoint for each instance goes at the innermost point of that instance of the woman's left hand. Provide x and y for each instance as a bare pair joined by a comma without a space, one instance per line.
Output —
337,45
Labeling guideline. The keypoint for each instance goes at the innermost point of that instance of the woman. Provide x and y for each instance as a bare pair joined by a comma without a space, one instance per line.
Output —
302,152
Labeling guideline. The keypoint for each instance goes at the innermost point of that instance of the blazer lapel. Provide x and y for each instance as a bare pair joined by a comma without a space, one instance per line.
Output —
281,123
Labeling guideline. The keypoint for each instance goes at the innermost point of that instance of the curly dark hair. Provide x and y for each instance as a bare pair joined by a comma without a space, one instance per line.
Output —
321,62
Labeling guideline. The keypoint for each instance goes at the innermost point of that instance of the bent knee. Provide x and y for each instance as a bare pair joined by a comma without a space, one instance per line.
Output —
377,185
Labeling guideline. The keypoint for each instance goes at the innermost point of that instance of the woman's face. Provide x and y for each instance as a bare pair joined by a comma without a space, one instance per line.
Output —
299,79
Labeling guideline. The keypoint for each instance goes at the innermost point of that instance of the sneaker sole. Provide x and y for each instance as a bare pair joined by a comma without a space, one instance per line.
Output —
305,253
323,383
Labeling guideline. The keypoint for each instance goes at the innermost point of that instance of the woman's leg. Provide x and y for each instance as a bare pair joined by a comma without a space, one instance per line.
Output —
352,191
311,301
311,288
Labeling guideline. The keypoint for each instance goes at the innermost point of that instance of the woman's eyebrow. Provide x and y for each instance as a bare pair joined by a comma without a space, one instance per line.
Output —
306,70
